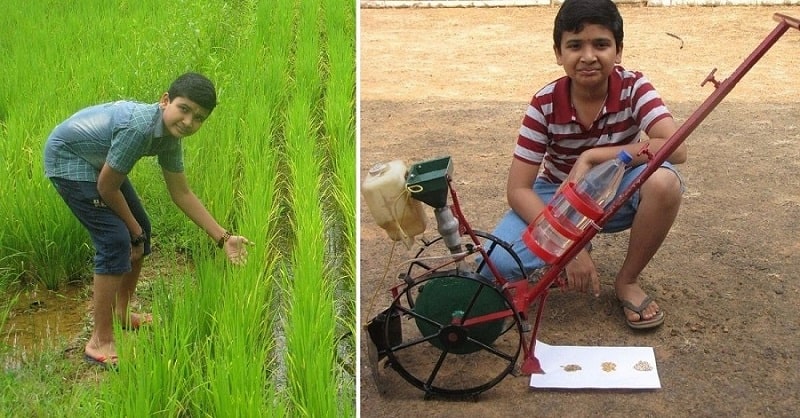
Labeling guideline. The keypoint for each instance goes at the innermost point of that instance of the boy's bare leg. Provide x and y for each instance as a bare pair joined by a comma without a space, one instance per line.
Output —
105,289
660,201
126,290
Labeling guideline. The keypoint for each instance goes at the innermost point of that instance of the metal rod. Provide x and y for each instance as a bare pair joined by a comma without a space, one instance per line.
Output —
696,118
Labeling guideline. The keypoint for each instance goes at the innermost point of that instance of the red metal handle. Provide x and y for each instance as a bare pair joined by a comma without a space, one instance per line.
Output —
710,78
778,17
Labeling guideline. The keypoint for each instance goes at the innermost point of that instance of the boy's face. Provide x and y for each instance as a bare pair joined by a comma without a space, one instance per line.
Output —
182,117
588,57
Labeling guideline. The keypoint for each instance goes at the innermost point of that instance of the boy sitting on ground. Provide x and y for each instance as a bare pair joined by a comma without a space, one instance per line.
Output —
579,121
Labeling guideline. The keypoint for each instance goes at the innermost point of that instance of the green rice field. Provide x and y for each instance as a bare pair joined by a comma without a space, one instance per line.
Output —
275,162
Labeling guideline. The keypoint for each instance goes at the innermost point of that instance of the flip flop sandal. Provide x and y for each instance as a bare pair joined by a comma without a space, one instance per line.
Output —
642,324
102,361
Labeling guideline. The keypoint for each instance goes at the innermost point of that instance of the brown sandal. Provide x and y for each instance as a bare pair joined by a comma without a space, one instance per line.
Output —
642,324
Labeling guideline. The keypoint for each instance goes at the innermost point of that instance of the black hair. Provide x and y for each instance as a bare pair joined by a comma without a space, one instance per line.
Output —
574,14
195,87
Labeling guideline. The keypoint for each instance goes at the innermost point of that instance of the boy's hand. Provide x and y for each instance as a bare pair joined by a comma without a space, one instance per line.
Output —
236,249
582,274
581,166
137,252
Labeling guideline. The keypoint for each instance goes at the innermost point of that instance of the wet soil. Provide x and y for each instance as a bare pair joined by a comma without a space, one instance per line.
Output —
455,82
40,318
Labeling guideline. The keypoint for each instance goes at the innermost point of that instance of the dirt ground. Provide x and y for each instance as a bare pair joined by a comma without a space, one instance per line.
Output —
456,81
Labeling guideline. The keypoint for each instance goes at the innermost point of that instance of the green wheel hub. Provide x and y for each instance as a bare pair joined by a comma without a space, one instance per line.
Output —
444,302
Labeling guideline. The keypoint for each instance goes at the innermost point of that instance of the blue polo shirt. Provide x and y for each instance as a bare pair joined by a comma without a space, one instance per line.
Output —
118,133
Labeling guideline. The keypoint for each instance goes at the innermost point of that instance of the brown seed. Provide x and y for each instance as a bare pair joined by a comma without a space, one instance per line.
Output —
608,366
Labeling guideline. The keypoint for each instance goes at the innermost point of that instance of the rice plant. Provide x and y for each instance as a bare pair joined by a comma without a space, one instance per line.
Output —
339,131
311,317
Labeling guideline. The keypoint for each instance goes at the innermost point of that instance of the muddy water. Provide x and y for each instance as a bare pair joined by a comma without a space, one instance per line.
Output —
42,317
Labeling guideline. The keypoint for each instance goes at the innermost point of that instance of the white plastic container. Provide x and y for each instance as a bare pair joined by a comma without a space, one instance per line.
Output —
391,205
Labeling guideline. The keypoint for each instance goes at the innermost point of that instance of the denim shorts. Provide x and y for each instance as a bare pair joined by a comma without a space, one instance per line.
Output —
511,227
110,235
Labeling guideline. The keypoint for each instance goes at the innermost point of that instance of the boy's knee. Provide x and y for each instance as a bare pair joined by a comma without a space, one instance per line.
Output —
665,184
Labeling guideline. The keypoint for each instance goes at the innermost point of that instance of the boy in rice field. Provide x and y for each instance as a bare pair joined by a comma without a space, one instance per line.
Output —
583,119
88,157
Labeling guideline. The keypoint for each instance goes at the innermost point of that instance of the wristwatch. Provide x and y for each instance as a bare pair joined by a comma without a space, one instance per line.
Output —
139,240
223,239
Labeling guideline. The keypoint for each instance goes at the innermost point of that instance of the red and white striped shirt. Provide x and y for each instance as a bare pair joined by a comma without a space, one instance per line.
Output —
552,136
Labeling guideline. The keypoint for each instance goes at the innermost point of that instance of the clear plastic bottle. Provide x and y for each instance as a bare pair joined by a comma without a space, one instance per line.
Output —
574,208
602,181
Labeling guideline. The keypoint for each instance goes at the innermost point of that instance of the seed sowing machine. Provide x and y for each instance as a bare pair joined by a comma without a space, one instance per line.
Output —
455,326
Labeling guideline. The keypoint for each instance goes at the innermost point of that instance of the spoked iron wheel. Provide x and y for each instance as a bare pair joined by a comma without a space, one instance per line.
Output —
434,253
461,337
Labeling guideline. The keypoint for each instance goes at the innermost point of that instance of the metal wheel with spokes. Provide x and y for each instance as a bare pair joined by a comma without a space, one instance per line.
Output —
461,337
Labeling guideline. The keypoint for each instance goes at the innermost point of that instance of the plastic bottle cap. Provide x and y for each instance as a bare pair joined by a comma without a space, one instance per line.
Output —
625,157
377,169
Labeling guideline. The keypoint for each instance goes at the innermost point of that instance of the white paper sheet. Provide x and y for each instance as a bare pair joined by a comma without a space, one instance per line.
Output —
574,367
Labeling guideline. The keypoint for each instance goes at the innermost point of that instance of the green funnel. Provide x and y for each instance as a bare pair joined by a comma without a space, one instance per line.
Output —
427,181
